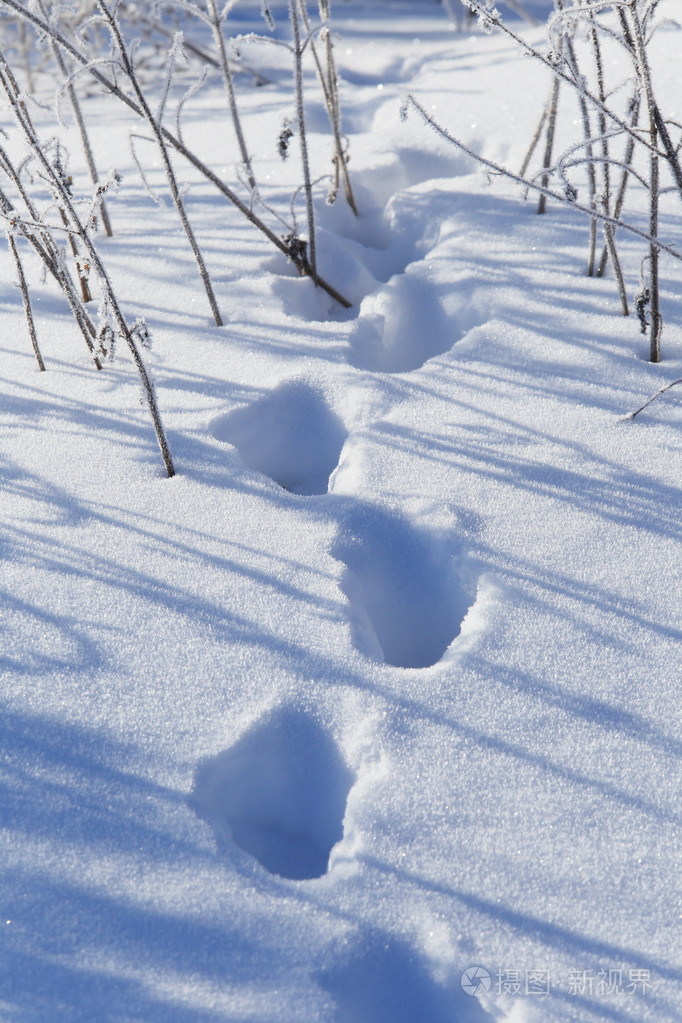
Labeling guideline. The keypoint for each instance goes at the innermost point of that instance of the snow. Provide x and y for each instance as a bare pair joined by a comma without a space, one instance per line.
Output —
282,791
274,435
383,685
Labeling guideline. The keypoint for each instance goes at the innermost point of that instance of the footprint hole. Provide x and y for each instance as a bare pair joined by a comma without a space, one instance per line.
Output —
408,593
291,435
279,793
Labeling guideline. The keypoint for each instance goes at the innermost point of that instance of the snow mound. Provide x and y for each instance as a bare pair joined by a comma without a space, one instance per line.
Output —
290,435
279,793
404,586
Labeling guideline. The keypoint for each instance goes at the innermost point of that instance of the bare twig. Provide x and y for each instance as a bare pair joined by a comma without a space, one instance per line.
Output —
27,300
644,78
80,121
155,127
549,142
662,390
330,91
215,22
284,245
302,137
527,183
8,83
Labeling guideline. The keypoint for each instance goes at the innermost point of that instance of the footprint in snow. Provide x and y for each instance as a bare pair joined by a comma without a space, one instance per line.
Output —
290,435
401,326
407,593
279,793
378,978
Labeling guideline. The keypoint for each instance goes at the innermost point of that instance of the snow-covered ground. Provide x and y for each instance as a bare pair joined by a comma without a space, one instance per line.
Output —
384,685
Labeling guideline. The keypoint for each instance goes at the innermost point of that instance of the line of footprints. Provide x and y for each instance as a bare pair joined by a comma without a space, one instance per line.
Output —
280,791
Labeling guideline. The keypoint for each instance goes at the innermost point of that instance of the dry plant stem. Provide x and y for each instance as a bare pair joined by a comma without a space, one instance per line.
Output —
592,190
620,196
653,397
74,220
608,230
644,78
303,141
656,324
48,253
567,43
549,142
454,20
592,185
45,247
572,61
202,55
670,151
591,173
527,183
246,211
341,154
329,85
85,324
85,287
592,244
78,114
165,158
89,158
464,18
214,19
27,62
27,302
617,268
533,144
601,92
478,8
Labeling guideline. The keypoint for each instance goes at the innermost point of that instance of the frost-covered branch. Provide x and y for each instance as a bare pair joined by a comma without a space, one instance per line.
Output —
110,85
62,197
127,63
528,183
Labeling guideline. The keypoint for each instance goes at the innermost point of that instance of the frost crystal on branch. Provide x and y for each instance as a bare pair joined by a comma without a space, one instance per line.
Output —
267,15
283,139
641,302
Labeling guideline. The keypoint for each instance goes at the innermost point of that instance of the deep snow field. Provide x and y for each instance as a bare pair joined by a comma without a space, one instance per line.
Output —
384,685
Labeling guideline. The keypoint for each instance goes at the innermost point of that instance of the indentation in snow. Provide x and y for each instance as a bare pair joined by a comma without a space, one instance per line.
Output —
394,231
377,978
404,166
290,435
401,326
405,587
279,793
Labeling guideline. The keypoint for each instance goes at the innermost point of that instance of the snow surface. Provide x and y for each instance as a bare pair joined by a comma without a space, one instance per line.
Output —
384,685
